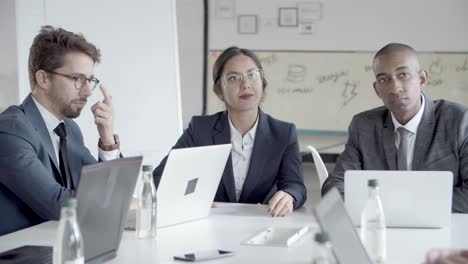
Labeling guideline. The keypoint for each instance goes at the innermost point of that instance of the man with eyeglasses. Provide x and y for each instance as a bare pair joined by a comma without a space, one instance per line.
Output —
42,149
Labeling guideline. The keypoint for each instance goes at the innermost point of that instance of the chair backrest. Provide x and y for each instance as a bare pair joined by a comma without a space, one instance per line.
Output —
319,165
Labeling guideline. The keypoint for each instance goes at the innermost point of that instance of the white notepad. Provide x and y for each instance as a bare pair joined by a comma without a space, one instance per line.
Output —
277,236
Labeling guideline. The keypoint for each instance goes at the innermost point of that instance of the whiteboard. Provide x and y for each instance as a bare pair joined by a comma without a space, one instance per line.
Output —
321,91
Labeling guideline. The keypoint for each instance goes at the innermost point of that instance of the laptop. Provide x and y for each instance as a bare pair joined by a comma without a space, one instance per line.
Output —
104,193
332,217
416,199
189,182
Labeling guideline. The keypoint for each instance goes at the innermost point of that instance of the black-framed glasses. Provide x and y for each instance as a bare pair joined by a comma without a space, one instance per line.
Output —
80,80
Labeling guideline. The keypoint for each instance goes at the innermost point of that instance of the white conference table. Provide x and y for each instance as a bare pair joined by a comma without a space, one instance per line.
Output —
231,224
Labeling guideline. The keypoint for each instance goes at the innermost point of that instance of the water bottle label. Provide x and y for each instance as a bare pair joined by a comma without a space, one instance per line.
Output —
75,261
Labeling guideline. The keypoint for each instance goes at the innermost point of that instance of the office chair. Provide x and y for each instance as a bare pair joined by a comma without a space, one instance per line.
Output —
319,165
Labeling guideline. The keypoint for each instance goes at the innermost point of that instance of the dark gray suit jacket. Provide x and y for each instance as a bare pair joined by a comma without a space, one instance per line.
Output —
275,162
30,192
441,144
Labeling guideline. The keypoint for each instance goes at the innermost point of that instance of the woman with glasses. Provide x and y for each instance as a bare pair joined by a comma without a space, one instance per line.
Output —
265,164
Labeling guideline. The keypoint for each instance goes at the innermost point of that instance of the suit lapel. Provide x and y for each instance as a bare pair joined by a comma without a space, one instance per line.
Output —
259,156
31,111
222,135
424,135
388,139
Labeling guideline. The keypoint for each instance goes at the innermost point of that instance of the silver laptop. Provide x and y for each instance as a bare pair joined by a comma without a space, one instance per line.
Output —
104,193
332,218
189,182
417,199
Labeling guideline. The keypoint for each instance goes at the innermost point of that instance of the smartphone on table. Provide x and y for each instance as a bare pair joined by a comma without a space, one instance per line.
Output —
204,255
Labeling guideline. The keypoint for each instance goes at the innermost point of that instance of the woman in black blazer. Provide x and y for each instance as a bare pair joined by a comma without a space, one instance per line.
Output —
265,164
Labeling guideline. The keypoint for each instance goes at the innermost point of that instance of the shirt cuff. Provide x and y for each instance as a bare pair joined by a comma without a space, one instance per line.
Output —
108,155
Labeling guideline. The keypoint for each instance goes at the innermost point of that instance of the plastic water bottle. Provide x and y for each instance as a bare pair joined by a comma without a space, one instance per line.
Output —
146,210
373,228
68,248
323,253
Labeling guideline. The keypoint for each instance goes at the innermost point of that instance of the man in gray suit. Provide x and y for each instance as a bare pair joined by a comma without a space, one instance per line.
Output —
42,148
410,132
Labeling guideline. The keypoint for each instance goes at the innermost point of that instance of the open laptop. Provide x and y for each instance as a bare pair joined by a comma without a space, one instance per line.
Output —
332,217
104,193
416,199
189,182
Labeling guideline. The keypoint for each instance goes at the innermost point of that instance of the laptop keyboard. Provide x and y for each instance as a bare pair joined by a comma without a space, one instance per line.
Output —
27,255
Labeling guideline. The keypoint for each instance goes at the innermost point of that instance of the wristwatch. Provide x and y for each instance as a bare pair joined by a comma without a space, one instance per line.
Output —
111,147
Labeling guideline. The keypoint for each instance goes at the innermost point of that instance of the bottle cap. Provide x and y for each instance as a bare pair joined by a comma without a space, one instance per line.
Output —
147,168
69,202
321,237
373,183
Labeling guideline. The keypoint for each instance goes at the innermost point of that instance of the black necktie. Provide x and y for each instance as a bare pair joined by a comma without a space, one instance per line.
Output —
63,155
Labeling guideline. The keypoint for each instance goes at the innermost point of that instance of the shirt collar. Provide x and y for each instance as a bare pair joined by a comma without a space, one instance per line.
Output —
235,133
50,120
413,124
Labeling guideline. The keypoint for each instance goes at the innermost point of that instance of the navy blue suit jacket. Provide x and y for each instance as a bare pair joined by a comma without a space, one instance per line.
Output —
30,192
275,163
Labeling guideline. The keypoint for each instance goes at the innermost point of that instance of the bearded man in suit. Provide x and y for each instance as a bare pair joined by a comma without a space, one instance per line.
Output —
42,150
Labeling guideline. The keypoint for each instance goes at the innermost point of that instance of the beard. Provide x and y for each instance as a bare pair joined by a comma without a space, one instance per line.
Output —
69,112
70,109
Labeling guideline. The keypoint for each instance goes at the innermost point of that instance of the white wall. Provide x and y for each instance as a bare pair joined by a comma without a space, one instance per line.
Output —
190,32
29,16
427,25
139,66
8,65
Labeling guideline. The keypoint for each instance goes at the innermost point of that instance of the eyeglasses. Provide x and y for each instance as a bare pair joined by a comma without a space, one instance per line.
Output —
234,79
80,81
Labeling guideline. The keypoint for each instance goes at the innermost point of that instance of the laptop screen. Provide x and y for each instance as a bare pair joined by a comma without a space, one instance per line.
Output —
189,183
104,193
332,217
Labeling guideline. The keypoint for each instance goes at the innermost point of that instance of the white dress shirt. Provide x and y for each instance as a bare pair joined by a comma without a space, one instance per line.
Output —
411,126
52,122
241,153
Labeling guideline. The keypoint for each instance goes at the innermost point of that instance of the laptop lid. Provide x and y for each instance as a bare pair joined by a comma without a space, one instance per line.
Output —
418,199
333,218
189,183
104,193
